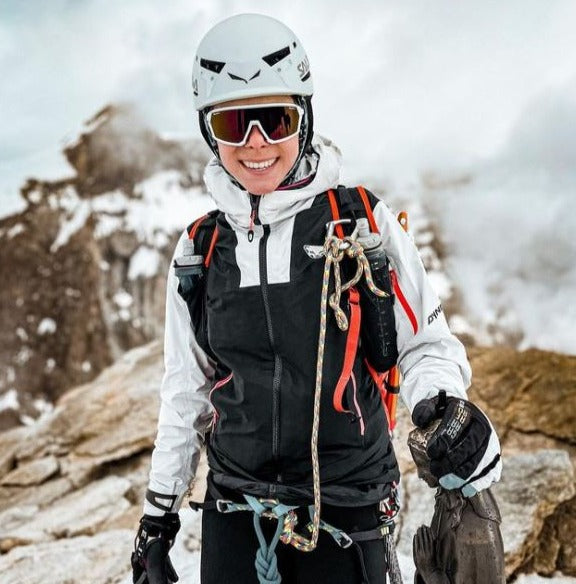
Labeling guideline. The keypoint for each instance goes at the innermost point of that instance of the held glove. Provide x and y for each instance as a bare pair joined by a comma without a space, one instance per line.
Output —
464,450
150,561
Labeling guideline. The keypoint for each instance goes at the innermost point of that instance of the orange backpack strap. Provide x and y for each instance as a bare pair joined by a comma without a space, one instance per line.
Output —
204,233
388,382
351,349
354,322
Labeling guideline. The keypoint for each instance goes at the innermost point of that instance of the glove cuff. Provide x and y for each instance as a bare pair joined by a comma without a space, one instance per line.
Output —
166,526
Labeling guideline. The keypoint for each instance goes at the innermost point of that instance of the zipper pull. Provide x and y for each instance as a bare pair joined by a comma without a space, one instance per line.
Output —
251,228
254,202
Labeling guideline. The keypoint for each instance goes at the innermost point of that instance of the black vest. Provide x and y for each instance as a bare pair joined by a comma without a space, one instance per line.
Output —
264,340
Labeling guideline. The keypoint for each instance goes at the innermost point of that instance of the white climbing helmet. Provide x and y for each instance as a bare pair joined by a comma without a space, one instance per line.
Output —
249,55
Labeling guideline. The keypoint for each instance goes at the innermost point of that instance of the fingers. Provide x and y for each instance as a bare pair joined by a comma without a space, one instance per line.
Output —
170,571
464,450
424,413
158,567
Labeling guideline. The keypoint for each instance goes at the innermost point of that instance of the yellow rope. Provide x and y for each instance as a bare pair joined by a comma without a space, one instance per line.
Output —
334,249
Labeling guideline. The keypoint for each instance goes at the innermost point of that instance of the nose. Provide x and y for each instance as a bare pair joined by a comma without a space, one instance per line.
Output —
256,138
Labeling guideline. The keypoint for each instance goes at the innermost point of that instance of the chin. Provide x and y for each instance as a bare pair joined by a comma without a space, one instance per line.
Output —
261,188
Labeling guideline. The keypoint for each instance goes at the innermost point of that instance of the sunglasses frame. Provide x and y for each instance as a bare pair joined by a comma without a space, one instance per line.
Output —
254,123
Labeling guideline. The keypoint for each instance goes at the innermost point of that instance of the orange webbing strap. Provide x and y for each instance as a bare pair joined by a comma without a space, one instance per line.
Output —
351,349
388,383
192,234
392,385
354,325
195,226
335,213
368,209
208,257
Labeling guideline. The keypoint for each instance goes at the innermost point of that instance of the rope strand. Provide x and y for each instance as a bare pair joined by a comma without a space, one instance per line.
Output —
335,249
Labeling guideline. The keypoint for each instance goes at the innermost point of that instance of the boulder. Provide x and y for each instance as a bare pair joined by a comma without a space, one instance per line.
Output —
82,469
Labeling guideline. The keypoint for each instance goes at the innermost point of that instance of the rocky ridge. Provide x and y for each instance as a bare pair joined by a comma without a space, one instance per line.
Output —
83,267
75,480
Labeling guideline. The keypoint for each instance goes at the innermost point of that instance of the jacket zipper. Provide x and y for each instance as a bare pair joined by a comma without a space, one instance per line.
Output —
277,358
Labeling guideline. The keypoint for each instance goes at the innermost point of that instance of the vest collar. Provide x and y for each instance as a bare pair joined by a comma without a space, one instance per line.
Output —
281,204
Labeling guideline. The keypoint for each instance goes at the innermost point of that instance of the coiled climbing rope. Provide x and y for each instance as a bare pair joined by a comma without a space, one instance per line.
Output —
335,249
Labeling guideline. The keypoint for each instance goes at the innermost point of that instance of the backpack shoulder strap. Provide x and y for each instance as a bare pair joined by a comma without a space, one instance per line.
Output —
355,202
204,233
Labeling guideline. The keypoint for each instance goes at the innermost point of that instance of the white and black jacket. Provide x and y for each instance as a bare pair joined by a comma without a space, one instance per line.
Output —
263,312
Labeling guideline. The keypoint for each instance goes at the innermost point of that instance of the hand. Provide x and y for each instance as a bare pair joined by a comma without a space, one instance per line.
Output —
464,450
150,561
426,558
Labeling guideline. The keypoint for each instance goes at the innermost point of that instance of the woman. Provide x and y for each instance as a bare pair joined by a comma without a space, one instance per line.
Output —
244,367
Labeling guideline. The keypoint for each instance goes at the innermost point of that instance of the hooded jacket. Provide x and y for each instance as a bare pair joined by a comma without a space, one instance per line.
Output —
263,312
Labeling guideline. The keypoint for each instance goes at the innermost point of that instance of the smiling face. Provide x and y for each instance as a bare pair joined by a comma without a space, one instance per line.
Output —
258,166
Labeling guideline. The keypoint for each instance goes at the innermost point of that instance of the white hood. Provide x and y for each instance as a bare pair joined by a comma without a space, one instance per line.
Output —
278,205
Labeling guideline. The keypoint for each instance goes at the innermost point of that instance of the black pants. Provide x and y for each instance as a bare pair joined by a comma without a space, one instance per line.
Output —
229,547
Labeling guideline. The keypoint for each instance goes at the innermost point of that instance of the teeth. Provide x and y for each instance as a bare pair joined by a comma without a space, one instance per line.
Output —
259,165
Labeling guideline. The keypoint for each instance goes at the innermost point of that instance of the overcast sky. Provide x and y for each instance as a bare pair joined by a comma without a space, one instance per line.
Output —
400,86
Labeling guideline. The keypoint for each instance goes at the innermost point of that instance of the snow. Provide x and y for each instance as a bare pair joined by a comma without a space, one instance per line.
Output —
144,263
24,355
71,225
9,401
15,230
21,334
47,326
43,407
440,283
161,207
123,300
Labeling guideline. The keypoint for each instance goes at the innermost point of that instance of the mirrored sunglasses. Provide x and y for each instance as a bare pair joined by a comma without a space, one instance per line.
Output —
277,122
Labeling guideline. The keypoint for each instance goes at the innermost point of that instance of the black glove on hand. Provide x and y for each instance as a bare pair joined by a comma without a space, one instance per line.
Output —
150,561
464,450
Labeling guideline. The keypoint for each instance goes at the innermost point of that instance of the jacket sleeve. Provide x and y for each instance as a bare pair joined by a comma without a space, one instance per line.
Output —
430,356
185,409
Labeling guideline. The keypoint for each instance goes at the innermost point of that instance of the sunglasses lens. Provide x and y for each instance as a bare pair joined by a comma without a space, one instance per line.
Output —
277,122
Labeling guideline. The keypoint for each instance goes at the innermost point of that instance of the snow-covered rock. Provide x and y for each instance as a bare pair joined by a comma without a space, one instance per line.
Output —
82,243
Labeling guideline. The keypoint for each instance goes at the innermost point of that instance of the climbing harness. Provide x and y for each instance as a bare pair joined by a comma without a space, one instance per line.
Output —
266,562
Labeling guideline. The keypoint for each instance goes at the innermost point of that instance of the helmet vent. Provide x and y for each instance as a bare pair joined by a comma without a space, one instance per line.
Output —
277,56
214,66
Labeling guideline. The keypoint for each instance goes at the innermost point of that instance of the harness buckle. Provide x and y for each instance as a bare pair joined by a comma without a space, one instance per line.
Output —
223,506
343,539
